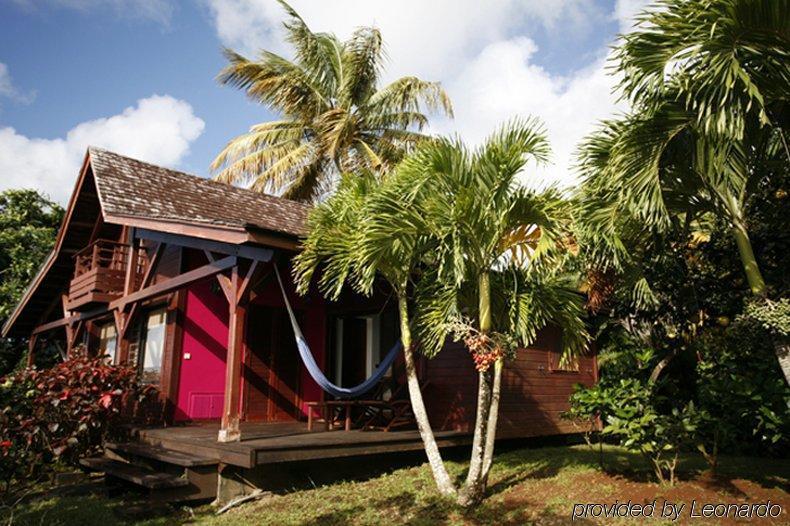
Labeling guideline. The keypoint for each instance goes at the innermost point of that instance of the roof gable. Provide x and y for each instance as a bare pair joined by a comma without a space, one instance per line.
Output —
129,188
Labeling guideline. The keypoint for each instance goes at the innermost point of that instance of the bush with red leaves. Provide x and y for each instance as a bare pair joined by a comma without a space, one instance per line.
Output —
66,412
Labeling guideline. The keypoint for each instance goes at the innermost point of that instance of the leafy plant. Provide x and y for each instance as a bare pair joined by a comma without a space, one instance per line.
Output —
744,405
28,222
66,412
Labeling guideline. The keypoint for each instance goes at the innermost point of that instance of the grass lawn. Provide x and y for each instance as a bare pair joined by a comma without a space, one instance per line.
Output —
528,486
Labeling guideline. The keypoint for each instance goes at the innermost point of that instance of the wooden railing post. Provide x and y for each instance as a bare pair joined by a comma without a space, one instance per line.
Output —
94,256
31,350
229,428
121,317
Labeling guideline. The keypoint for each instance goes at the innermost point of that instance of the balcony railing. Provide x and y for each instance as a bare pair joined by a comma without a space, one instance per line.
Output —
100,274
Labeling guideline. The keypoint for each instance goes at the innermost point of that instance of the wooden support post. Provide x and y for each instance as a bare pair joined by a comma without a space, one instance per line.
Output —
31,350
229,428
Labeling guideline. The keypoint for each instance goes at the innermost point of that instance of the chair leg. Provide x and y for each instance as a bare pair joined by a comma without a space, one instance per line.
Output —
327,418
348,417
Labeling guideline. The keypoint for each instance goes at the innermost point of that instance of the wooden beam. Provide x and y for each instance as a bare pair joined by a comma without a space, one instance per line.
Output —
244,286
131,266
149,275
175,283
143,294
229,427
224,281
70,320
245,251
31,350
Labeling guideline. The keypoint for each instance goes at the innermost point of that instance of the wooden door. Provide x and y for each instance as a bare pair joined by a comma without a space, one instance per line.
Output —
272,367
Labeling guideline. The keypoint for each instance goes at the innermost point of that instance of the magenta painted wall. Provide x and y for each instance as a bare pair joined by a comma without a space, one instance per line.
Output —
205,337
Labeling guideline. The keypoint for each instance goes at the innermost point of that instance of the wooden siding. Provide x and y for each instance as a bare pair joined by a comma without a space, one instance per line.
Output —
533,396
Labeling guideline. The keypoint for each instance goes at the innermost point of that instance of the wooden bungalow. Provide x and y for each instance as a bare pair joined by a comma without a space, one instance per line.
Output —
172,273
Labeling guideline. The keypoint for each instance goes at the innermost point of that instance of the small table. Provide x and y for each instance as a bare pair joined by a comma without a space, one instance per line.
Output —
328,410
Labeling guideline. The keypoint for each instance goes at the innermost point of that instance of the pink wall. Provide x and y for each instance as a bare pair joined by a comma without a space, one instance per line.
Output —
203,353
202,376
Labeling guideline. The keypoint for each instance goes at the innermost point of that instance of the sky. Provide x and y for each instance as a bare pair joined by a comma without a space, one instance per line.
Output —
138,76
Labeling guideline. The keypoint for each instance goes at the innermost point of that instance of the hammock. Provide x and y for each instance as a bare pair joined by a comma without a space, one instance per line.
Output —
316,372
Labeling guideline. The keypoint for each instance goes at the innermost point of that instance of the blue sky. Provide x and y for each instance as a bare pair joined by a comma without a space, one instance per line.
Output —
137,76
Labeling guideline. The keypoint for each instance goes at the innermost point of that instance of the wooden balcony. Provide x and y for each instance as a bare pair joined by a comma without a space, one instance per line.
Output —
100,274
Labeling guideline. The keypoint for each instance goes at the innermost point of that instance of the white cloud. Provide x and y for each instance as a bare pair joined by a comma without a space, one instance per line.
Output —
160,11
9,90
626,10
159,129
503,82
477,49
432,39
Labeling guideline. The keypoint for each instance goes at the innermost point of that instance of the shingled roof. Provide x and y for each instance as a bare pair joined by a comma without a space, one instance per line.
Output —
131,188
131,193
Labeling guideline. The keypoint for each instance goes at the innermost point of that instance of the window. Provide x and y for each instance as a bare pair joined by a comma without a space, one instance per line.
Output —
553,339
153,345
108,342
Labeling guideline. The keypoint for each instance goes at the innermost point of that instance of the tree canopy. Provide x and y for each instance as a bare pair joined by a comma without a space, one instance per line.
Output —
336,118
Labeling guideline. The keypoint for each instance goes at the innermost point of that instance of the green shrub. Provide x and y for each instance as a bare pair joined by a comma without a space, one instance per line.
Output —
743,399
65,412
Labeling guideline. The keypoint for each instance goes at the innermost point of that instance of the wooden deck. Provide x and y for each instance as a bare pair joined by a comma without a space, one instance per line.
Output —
264,443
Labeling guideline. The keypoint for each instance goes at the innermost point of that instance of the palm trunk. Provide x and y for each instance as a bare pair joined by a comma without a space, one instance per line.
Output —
440,475
474,489
493,418
758,288
749,262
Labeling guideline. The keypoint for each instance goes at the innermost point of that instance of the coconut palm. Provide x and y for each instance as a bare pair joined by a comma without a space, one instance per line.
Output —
335,117
497,248
709,81
351,243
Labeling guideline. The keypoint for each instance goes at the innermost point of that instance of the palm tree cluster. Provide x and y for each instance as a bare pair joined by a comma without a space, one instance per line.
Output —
467,250
462,244
334,116
709,82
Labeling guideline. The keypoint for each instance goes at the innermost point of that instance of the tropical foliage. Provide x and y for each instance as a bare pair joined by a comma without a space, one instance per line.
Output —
709,82
65,412
480,255
335,116
28,222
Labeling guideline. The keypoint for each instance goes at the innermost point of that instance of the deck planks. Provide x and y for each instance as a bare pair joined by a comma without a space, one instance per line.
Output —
264,443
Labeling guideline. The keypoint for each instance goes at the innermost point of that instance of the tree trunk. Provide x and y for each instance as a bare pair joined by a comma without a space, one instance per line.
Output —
749,262
474,489
440,475
782,351
758,288
493,418
660,366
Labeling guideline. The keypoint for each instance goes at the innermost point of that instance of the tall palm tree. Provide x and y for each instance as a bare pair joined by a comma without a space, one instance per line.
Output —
709,81
335,117
351,241
498,247
455,236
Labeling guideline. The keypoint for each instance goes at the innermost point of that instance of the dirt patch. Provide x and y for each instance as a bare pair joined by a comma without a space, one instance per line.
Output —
551,501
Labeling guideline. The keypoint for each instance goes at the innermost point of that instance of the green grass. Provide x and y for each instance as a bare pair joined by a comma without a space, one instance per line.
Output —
527,486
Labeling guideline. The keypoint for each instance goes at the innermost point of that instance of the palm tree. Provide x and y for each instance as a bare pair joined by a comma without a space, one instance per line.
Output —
351,241
335,118
498,248
709,81
454,235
